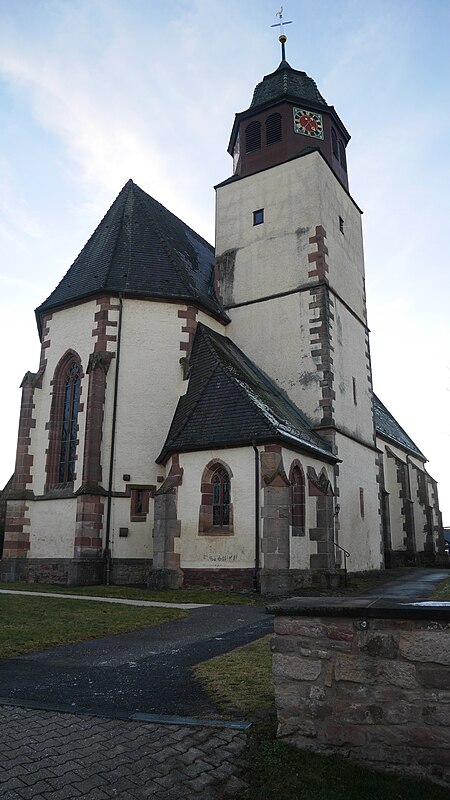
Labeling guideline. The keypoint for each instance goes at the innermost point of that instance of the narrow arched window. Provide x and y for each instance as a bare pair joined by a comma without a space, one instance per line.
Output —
342,157
298,500
253,136
69,424
221,497
63,422
216,509
334,143
273,128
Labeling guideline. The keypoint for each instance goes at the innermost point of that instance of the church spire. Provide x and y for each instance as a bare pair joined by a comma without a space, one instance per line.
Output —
282,37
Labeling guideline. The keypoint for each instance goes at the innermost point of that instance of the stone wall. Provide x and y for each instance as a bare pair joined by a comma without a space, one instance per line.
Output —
371,684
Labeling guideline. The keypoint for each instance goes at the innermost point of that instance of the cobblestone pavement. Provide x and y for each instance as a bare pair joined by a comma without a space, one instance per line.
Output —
46,755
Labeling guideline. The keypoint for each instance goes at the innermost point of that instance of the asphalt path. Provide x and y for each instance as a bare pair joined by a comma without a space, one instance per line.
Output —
147,671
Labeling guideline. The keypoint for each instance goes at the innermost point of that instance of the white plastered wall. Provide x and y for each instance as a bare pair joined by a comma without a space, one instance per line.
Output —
53,521
228,551
360,535
273,257
350,362
52,528
275,334
150,384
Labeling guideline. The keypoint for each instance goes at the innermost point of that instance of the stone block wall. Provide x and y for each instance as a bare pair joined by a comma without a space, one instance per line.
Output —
365,683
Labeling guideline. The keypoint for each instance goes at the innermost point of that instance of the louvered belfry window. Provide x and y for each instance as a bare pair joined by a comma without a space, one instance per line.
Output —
221,497
342,156
334,143
273,129
69,424
253,136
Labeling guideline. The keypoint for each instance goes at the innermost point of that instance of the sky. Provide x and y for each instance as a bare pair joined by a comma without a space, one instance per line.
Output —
94,92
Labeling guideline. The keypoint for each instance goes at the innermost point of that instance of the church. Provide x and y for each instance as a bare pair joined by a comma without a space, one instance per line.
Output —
205,416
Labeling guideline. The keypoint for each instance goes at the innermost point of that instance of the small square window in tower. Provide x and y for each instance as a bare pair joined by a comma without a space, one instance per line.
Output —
258,216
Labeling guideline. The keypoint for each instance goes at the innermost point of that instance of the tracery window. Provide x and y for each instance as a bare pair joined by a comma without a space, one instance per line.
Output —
216,508
69,424
298,507
63,423
221,497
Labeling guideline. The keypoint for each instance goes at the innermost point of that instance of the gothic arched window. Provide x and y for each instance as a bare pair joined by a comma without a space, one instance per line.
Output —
253,136
216,509
68,448
221,497
63,424
298,516
273,128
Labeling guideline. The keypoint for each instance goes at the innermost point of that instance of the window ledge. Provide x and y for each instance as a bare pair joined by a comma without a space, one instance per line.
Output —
225,530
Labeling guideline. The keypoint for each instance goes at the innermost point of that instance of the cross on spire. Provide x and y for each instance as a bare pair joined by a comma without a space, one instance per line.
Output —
282,37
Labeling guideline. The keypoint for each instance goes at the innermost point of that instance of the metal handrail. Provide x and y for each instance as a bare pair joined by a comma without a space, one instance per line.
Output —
346,555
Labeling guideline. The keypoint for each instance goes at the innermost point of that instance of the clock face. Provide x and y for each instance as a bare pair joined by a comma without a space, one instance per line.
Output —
308,123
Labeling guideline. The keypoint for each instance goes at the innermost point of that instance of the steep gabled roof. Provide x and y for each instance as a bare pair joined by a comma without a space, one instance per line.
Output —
387,427
230,402
143,250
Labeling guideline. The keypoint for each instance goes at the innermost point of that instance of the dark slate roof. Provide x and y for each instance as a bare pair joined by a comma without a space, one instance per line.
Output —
286,81
143,250
388,427
230,402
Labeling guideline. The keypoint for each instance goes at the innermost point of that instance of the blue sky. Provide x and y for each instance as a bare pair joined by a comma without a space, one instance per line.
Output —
93,92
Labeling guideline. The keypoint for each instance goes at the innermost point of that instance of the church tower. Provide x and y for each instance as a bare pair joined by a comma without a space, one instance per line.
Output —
290,271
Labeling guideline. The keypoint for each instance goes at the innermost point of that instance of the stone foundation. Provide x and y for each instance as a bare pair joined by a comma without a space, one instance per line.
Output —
60,572
240,580
279,582
74,571
367,683
128,571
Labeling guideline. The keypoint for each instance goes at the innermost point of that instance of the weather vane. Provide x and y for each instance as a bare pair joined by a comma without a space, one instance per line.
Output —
282,37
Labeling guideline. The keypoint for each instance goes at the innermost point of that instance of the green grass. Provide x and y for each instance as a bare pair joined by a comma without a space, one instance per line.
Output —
240,683
442,592
129,593
29,623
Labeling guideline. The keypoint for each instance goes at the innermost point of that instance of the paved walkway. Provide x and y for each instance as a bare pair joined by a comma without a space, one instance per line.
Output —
53,756
119,600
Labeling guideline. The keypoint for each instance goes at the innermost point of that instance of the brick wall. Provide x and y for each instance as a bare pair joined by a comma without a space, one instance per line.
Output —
368,684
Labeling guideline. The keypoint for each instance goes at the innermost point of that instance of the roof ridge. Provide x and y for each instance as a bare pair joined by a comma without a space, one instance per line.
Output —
392,438
168,211
119,228
191,412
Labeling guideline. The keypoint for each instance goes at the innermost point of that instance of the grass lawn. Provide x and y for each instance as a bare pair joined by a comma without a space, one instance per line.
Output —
442,592
240,684
29,623
128,593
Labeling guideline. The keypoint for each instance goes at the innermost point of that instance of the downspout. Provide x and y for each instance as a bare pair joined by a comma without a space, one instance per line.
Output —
256,582
107,550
